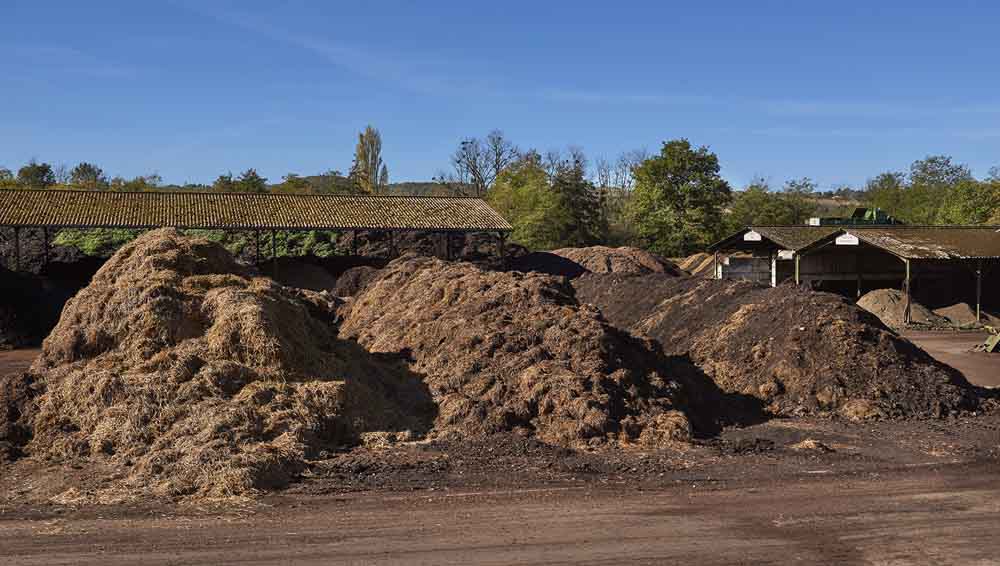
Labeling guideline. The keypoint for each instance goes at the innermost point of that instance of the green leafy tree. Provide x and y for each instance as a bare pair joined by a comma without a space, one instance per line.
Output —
931,181
36,175
87,175
293,183
678,199
369,172
7,178
521,194
970,202
887,191
224,184
549,206
798,196
757,205
251,182
578,212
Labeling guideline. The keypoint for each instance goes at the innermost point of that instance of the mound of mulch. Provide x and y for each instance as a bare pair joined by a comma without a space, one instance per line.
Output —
602,259
505,351
889,305
796,350
354,280
189,376
698,264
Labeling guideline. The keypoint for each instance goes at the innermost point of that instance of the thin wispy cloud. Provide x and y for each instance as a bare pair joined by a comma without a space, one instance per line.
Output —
413,72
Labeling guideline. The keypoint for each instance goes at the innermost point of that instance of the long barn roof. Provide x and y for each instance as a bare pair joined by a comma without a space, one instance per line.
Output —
245,211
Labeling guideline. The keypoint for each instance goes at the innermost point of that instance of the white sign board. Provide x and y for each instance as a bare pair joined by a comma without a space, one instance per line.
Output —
847,240
786,254
751,236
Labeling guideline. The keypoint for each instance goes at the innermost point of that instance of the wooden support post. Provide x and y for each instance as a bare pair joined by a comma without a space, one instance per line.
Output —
798,276
979,291
274,253
857,269
17,249
392,245
715,267
906,292
447,245
502,241
256,234
354,242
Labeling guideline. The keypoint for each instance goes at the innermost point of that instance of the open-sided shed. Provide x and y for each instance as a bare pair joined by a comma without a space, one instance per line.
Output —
947,264
49,210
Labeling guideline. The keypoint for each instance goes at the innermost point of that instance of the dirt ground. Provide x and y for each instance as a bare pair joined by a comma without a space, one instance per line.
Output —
954,349
810,490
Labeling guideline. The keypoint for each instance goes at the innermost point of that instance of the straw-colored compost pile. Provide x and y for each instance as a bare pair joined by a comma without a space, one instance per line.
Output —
514,351
796,350
602,259
195,378
698,264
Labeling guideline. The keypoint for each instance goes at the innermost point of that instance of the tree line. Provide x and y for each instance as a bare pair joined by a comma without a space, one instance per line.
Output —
674,202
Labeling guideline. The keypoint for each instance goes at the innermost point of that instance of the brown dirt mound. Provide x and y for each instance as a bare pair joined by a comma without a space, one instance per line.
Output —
354,280
602,259
16,395
191,377
962,315
889,305
514,351
797,350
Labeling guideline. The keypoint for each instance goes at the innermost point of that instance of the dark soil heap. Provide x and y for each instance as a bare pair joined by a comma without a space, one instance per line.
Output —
797,350
354,280
574,262
191,376
602,259
513,351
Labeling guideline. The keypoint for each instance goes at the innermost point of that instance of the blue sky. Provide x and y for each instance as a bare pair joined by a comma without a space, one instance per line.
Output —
837,91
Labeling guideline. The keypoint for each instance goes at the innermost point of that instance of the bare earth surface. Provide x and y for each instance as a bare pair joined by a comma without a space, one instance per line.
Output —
954,349
786,491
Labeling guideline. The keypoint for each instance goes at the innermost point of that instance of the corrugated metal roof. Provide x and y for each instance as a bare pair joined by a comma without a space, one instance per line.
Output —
933,242
107,209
